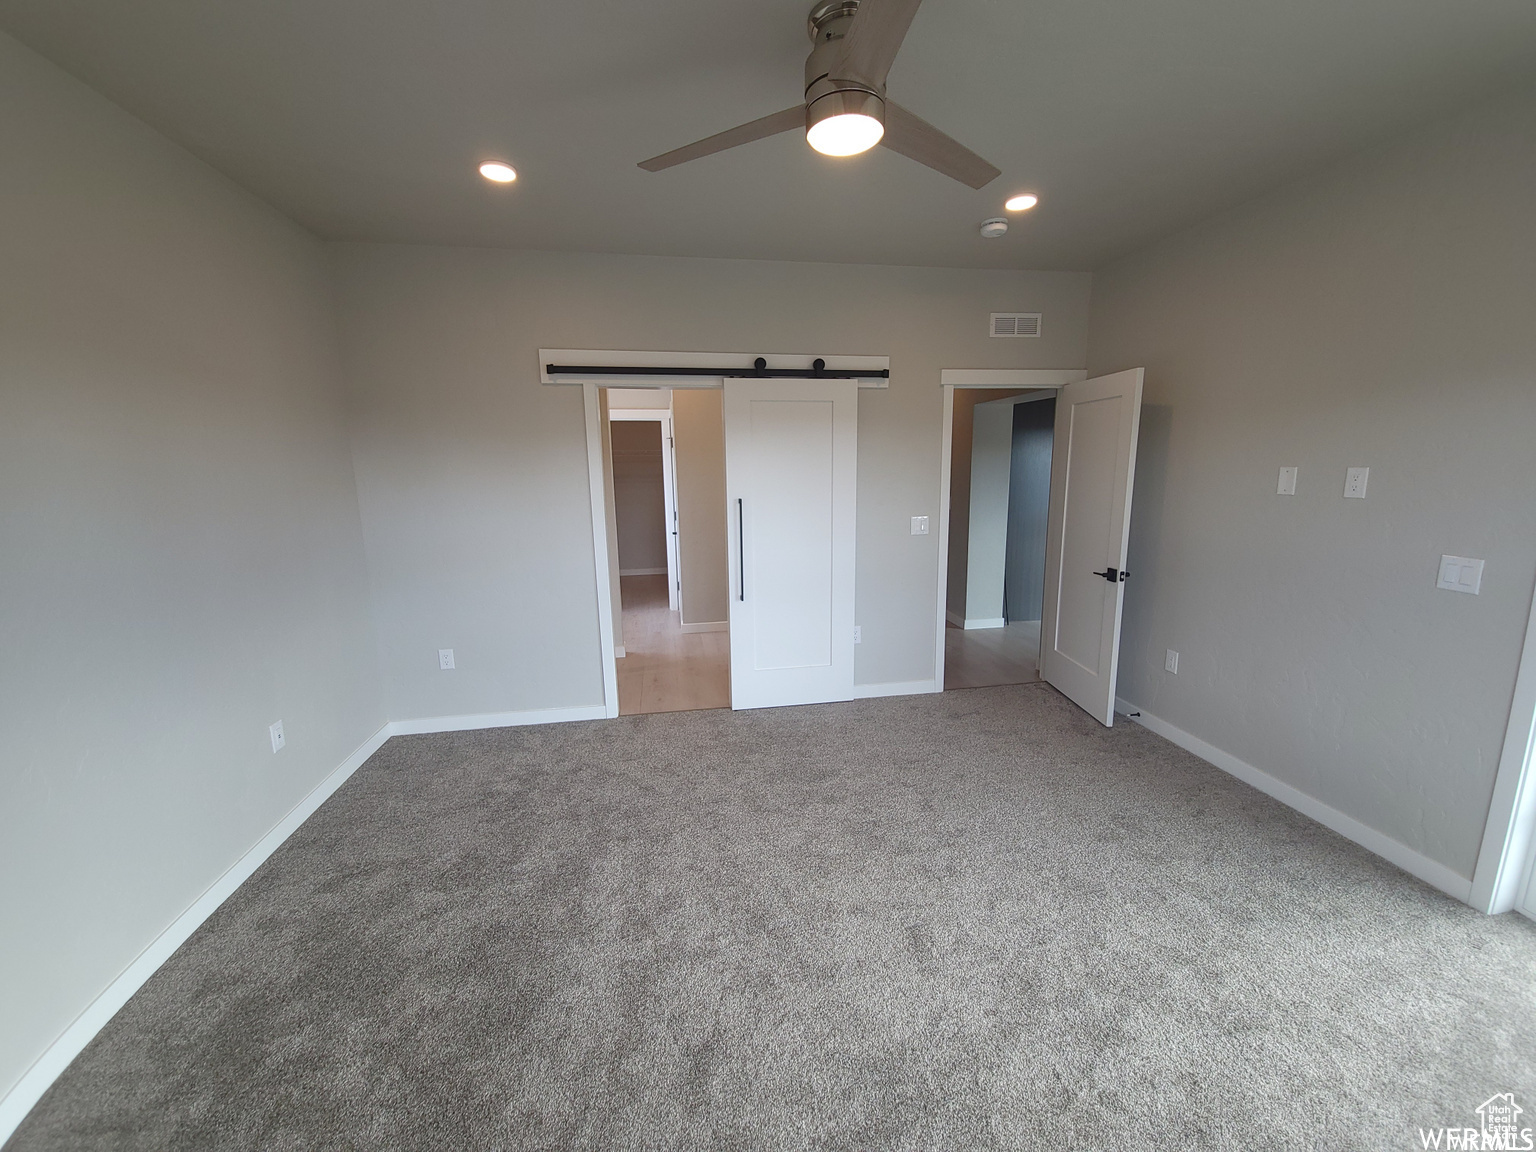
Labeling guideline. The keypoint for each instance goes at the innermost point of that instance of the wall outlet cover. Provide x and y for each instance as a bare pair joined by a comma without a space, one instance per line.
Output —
445,659
858,634
278,739
1354,483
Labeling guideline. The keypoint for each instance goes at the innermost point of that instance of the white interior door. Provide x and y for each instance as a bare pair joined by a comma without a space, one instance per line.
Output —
1526,902
669,503
790,458
1093,466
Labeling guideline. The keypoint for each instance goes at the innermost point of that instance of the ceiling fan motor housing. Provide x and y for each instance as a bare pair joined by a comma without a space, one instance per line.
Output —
829,19
826,97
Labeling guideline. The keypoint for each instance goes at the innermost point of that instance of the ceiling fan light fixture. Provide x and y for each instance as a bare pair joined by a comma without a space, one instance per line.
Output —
845,123
497,172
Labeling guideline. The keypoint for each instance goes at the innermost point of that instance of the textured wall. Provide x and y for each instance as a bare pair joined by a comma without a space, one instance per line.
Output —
987,529
639,499
1380,314
698,432
966,400
472,475
182,558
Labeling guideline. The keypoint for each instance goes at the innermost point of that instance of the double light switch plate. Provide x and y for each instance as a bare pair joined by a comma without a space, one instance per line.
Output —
1460,574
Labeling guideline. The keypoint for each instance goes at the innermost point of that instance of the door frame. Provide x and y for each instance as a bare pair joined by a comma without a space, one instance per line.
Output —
1504,863
949,380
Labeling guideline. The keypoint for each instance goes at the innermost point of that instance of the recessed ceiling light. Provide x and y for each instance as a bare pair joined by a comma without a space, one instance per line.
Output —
498,172
1021,203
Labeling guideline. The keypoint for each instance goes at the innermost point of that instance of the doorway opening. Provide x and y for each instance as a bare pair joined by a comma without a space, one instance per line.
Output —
1087,528
999,507
764,475
664,472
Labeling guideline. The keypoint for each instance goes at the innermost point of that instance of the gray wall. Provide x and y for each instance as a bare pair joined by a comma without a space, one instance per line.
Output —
639,500
1029,507
181,558
698,435
966,400
987,527
610,502
1381,314
472,475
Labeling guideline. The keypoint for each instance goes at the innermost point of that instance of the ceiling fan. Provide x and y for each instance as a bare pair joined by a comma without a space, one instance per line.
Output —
846,110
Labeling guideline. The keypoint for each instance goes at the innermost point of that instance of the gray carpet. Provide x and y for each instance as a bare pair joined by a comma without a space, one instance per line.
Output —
968,921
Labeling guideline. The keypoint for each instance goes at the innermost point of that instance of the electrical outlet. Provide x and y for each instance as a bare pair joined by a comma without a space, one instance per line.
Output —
1171,662
445,659
1287,482
278,739
919,525
1354,483
858,634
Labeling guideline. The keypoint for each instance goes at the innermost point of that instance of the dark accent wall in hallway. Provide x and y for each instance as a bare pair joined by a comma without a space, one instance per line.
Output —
1029,503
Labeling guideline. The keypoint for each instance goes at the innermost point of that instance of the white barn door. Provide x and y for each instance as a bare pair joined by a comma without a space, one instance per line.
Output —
1092,470
790,457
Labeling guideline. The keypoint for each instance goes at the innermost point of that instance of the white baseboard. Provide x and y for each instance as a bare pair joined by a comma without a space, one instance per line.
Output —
495,720
894,688
707,626
1414,863
954,618
47,1068
983,622
642,571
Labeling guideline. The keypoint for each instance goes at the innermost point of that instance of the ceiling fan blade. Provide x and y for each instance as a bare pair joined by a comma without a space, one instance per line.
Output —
919,140
873,39
784,121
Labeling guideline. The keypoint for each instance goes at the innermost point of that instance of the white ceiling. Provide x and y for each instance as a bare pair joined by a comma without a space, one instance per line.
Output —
365,119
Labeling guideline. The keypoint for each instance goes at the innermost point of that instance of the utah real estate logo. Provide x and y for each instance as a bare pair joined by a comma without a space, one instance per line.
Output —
1499,1117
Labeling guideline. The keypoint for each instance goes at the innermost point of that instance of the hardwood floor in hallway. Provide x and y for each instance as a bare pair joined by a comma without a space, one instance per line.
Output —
665,669
986,657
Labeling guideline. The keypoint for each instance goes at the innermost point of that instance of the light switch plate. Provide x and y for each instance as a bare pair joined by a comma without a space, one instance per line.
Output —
919,525
1287,482
1460,574
278,739
445,659
1171,662
1354,483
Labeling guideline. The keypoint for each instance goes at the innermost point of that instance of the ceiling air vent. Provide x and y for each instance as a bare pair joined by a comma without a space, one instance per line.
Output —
1016,323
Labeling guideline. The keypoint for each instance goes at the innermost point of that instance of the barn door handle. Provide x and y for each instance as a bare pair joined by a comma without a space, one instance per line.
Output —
741,551
1114,575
